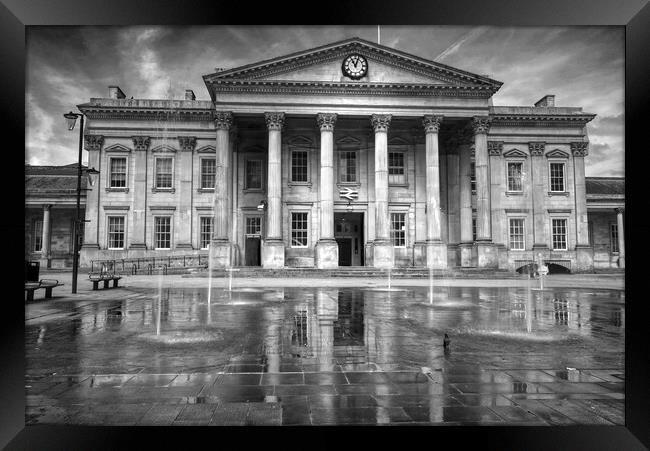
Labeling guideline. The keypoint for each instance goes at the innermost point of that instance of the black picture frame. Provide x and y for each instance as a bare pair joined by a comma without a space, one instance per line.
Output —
634,15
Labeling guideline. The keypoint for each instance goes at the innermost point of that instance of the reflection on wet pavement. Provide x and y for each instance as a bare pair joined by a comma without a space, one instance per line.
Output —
329,356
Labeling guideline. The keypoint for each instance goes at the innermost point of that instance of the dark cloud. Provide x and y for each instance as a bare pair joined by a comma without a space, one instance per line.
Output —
582,66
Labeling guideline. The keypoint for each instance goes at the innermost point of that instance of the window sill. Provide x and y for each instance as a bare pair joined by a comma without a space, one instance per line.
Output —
117,190
308,184
399,185
114,248
163,190
349,184
253,190
514,193
559,250
205,190
558,193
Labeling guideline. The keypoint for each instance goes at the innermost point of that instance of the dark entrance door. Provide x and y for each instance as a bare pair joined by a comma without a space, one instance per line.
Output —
345,251
252,251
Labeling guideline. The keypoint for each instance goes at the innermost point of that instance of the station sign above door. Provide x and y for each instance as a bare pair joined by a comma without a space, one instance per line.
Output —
348,193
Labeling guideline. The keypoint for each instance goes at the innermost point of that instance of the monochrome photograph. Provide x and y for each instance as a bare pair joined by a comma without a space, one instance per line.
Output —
324,225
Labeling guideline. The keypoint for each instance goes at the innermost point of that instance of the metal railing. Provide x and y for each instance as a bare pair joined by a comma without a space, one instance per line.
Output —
149,264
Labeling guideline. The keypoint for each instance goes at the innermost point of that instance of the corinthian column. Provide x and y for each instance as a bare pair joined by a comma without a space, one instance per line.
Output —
466,237
584,252
273,248
184,218
90,247
436,249
327,251
487,257
383,250
137,227
621,237
220,246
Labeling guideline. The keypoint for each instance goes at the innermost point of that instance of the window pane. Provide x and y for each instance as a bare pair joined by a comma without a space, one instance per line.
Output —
398,229
299,229
37,234
614,237
396,172
474,229
559,234
472,176
163,232
206,231
514,176
254,226
116,232
348,166
118,173
517,234
208,172
299,166
557,176
163,173
253,174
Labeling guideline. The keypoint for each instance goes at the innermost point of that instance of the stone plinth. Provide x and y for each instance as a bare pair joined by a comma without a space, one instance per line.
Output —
420,254
221,253
437,255
584,259
466,254
273,254
327,254
383,254
487,255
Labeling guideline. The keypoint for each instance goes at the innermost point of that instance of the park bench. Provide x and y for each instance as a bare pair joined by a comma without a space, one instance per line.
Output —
105,277
46,284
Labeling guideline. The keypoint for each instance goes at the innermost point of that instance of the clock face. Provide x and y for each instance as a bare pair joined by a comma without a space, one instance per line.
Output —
355,66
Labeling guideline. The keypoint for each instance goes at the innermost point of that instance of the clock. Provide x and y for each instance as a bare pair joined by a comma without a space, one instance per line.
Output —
355,66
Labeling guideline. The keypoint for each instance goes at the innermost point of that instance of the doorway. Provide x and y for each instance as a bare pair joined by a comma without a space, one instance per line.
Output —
348,232
252,241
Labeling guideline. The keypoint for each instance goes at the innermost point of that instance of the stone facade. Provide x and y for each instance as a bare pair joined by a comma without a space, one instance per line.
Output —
314,168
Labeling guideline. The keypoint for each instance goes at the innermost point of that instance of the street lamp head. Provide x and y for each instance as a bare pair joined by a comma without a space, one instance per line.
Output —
262,206
92,174
71,119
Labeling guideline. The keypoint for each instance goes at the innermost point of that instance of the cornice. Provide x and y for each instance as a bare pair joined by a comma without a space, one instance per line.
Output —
150,114
536,120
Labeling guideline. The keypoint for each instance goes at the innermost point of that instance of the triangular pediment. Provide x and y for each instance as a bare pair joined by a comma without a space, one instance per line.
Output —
515,153
348,141
557,153
398,141
322,66
117,148
298,141
207,149
163,148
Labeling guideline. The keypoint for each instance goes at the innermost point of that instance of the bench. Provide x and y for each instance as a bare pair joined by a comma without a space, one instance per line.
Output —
46,284
105,277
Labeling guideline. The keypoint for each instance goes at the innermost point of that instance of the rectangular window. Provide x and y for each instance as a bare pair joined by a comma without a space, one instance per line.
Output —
37,234
517,234
514,176
298,229
206,231
163,232
472,176
254,225
396,170
398,229
116,232
557,177
559,234
474,229
613,236
163,172
118,172
299,166
253,174
208,173
347,166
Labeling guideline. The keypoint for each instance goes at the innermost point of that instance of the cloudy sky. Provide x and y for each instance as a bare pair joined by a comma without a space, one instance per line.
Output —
66,66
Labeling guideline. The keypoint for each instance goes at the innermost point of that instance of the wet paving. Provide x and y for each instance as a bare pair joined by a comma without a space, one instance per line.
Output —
328,356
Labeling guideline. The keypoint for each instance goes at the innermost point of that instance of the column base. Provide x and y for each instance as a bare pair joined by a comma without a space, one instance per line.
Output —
584,259
273,254
420,254
436,255
466,254
327,254
621,262
383,254
45,263
487,255
221,254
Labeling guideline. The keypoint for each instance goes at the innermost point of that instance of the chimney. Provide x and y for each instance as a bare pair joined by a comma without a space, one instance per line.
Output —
189,95
547,100
114,92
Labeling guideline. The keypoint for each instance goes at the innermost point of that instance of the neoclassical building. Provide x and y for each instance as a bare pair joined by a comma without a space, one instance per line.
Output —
351,153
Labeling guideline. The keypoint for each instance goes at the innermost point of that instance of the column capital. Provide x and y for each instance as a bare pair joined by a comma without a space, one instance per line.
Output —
93,142
536,148
223,120
47,206
620,210
380,122
141,142
187,143
579,149
495,148
481,124
274,121
431,123
326,121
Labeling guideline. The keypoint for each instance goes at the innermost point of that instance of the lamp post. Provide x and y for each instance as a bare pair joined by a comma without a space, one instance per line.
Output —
72,120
